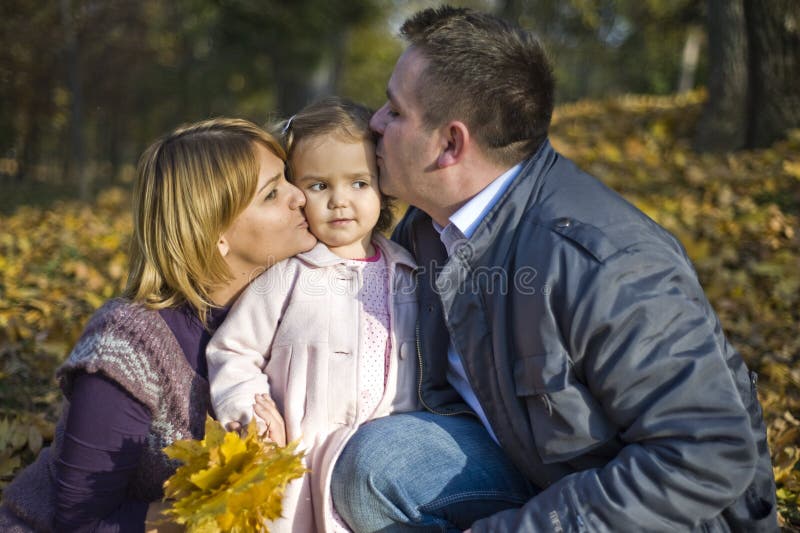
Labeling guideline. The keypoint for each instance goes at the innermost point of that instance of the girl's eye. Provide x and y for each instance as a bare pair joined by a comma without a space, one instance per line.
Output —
317,187
360,184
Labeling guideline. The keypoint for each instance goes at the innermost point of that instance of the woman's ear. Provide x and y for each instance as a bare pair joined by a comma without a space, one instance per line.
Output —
223,246
456,135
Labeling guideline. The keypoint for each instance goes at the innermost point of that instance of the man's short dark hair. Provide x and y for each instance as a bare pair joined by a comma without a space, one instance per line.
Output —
493,76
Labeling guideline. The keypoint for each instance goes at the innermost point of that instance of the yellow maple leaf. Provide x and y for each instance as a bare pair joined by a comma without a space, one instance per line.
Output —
228,482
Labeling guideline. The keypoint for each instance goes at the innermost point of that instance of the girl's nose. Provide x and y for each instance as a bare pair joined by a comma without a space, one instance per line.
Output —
378,121
296,197
337,198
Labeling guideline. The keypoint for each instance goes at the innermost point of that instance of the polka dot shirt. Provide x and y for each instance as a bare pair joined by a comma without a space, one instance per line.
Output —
374,345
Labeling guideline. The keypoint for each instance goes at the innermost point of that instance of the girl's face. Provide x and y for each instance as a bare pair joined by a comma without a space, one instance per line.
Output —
339,179
272,227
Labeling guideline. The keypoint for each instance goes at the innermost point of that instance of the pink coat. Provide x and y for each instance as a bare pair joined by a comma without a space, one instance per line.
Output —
295,333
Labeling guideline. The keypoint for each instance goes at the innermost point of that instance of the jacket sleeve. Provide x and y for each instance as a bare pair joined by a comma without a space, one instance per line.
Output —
239,350
650,351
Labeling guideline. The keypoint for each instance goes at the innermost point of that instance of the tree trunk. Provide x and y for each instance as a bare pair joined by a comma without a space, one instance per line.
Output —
75,158
292,87
338,49
323,81
691,53
114,156
29,151
773,28
723,125
35,109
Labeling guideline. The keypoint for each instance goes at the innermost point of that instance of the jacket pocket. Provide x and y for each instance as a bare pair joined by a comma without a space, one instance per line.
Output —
566,420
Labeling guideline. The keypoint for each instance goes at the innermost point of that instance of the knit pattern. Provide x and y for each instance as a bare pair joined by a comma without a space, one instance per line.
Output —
135,348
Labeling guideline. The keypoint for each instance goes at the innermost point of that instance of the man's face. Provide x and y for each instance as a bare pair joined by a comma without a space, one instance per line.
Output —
406,149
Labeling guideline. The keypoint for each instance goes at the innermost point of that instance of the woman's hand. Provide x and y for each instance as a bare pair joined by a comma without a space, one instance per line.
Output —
155,522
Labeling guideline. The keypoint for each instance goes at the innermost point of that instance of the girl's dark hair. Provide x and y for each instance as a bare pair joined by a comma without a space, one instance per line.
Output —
338,116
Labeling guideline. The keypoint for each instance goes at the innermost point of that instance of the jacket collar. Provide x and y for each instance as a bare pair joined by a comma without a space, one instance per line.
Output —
320,255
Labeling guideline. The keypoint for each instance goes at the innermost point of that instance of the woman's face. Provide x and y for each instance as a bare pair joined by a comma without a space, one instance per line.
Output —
272,227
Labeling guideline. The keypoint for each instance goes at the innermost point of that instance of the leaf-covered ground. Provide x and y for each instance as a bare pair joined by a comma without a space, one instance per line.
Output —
736,214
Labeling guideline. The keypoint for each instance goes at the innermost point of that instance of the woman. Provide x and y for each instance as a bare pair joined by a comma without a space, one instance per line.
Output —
212,209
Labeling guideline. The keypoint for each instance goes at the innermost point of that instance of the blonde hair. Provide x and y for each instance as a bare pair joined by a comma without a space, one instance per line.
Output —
190,186
335,116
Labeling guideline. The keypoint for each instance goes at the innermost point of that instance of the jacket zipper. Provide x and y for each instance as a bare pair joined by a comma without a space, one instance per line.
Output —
419,382
419,351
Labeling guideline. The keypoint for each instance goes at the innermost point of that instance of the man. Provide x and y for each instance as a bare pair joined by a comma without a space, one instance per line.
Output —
571,324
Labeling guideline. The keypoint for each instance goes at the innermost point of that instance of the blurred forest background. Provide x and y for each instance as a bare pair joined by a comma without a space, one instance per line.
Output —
689,108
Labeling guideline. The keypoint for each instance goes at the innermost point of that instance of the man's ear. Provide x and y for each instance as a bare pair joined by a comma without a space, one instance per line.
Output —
456,135
223,246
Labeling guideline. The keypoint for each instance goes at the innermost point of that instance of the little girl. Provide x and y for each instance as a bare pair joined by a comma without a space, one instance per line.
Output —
328,334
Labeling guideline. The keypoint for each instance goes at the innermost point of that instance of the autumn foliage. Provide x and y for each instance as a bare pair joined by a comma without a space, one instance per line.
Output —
736,214
229,483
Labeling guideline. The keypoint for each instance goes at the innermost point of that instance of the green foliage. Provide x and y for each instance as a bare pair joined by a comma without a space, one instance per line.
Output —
610,47
144,67
368,65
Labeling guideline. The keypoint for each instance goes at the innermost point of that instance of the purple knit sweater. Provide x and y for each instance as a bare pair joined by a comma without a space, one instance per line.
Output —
126,352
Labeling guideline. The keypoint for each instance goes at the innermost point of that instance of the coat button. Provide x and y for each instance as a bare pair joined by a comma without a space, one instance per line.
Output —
563,223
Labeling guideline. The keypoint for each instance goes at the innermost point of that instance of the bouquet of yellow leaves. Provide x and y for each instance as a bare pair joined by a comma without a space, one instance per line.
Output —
228,482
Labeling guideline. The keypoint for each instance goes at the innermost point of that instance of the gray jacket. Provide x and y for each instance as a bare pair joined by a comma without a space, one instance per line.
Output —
598,360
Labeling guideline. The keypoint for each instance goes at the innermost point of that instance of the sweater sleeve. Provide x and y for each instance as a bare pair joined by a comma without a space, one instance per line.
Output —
104,437
239,350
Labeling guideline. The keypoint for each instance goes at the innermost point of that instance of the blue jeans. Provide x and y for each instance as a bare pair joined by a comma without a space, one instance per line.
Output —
424,472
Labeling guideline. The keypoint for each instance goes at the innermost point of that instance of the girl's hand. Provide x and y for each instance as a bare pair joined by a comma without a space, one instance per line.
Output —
267,411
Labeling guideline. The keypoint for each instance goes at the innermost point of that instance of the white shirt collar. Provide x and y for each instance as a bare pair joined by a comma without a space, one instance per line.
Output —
464,221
